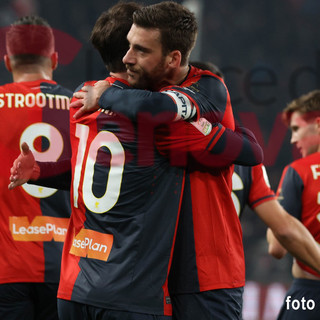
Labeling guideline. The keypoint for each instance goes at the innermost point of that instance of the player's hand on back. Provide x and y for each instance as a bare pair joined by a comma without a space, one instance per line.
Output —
88,98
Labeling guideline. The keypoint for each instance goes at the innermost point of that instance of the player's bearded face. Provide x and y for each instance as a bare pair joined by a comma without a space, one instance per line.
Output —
145,62
150,78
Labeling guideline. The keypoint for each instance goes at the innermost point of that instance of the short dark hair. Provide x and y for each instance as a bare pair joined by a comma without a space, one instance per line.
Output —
308,105
177,25
29,40
109,34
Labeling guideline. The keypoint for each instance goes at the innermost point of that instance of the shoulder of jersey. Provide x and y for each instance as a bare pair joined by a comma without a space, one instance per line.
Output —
200,72
306,160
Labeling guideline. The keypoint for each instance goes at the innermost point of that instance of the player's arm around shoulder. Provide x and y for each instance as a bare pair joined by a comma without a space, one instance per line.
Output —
86,96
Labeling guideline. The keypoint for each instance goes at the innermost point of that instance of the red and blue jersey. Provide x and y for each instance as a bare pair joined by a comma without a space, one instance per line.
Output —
250,186
33,220
125,204
208,253
299,193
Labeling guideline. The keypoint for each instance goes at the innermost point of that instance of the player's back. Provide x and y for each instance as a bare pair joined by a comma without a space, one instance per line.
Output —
33,219
126,202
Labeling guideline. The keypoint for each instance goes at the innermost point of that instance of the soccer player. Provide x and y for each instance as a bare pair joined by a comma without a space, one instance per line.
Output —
34,220
208,262
126,200
298,193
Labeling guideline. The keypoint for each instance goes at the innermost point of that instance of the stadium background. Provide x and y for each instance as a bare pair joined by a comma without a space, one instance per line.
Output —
269,52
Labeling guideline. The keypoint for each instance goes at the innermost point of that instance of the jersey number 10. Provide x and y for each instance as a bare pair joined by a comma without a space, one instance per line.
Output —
84,169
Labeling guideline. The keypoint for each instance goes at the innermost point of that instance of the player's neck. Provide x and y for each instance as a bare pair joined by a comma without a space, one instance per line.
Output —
32,76
120,75
176,76
183,74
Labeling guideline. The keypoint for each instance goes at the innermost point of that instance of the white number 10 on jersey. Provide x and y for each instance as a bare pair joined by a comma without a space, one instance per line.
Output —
84,169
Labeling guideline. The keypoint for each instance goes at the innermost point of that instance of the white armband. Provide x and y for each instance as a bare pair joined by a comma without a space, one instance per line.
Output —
185,108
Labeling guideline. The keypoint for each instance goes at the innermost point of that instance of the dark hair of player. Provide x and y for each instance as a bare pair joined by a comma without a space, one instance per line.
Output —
109,34
177,26
308,105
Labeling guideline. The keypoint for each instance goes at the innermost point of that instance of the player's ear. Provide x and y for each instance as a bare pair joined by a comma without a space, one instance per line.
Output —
7,62
174,59
54,60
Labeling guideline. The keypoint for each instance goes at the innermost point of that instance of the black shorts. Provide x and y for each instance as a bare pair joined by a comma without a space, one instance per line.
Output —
28,301
302,301
70,310
220,304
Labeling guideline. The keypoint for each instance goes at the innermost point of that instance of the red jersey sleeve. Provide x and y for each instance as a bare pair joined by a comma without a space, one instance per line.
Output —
260,190
210,145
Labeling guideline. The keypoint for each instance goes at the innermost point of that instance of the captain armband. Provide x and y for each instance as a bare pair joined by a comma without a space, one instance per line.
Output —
185,108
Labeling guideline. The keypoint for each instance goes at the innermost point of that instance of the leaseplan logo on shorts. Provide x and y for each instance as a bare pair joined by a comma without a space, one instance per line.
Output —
42,228
92,244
